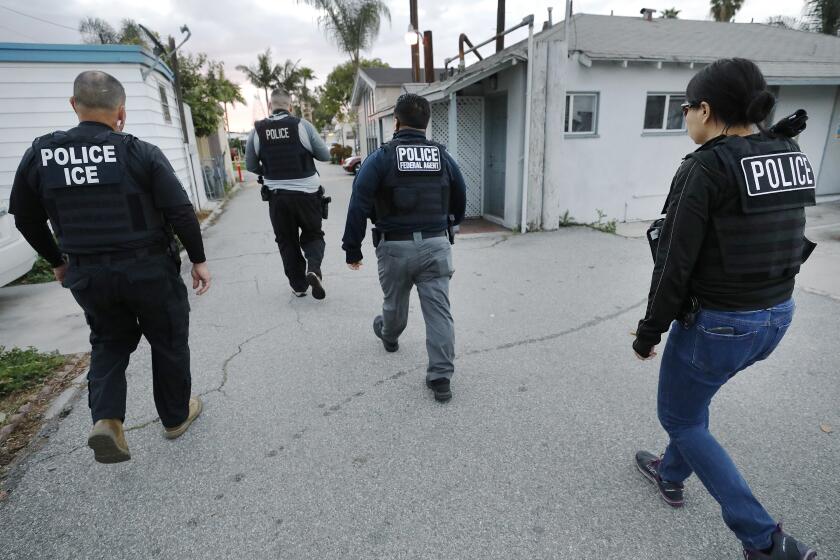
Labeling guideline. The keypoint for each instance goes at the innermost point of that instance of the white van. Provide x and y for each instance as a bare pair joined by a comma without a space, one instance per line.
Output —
16,256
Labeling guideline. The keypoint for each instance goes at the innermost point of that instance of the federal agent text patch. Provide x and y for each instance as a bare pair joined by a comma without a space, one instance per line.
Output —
777,173
81,165
424,159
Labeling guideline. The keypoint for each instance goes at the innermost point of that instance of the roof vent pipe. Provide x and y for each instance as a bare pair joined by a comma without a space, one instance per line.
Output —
550,22
647,14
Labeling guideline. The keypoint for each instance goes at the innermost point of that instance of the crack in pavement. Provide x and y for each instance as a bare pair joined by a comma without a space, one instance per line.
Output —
597,320
229,359
496,243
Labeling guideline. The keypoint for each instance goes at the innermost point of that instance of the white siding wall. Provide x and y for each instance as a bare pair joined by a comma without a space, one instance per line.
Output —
819,102
621,170
626,172
34,101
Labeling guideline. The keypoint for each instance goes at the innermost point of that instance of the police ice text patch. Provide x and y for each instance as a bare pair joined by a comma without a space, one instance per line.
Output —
777,173
81,165
418,159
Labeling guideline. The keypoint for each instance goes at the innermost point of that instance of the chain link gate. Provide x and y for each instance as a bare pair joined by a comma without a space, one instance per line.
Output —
470,140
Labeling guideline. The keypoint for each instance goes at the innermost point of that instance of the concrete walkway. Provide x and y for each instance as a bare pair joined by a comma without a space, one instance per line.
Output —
316,443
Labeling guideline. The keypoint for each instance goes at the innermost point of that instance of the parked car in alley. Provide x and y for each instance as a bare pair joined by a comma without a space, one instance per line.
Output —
352,164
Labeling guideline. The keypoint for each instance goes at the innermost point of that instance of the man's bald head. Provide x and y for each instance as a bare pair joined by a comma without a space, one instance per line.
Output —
280,99
97,91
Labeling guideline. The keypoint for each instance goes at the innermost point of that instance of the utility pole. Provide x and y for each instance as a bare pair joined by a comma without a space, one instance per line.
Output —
415,48
428,56
500,26
180,100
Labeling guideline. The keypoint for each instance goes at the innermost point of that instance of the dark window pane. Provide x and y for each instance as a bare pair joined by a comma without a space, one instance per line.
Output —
654,110
675,114
566,125
584,114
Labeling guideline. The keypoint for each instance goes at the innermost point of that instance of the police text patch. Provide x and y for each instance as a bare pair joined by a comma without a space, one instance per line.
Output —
777,173
418,159
81,165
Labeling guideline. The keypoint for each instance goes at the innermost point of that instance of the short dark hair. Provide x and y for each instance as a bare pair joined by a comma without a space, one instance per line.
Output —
97,90
412,111
735,89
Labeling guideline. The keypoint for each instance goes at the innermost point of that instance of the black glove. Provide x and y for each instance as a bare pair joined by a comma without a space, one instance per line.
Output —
791,125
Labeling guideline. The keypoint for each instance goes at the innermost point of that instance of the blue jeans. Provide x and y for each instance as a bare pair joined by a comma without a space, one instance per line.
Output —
696,363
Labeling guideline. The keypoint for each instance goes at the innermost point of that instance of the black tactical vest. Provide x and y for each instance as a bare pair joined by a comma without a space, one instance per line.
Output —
282,155
416,188
769,182
94,203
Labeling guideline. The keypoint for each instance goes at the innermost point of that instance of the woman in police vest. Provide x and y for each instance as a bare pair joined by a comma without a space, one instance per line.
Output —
730,247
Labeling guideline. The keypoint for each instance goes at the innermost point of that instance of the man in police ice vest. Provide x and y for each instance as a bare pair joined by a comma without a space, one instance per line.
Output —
282,149
413,191
113,202
730,248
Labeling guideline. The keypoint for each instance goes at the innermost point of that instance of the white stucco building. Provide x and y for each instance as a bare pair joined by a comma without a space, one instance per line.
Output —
36,82
606,131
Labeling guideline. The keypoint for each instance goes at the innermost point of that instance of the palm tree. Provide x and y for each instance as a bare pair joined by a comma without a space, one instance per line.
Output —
223,89
670,13
288,77
724,10
824,16
264,75
353,24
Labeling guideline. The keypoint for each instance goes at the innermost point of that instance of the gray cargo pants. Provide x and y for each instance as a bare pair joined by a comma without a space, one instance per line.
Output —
427,264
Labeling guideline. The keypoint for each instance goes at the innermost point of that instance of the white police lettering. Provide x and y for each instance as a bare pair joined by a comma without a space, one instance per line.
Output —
78,172
418,158
777,173
276,133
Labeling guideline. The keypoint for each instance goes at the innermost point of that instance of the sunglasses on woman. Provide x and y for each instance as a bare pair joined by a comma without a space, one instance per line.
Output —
686,106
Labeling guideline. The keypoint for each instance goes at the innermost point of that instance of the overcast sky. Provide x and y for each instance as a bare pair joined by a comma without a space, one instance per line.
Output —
236,31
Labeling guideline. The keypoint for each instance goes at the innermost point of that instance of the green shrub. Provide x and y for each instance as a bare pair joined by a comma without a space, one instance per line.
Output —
41,272
23,368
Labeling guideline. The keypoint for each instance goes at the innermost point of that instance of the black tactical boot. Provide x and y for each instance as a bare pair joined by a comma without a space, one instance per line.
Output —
784,547
377,330
648,465
441,389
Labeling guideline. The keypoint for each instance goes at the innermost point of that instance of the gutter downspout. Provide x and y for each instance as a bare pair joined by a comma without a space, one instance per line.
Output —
527,139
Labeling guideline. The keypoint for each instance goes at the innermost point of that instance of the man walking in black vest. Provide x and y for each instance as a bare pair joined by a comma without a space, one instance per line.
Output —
409,188
114,202
282,149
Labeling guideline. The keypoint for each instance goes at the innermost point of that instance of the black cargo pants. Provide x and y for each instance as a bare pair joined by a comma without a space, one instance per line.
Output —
122,300
296,219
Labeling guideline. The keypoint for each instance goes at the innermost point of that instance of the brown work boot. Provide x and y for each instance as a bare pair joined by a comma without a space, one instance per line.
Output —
107,440
177,431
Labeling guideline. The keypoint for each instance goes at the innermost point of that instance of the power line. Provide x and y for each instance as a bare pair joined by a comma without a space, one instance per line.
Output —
30,37
39,19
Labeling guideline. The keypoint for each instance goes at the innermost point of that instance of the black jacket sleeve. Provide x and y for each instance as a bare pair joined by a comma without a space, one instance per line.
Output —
683,234
186,226
30,216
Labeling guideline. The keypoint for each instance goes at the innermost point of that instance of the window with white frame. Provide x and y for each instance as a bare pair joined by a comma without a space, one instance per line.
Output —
663,111
164,103
581,113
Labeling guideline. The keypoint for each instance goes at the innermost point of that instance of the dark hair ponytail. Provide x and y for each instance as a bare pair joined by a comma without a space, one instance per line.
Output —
735,89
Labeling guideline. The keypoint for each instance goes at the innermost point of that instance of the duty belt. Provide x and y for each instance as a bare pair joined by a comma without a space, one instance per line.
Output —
409,236
116,256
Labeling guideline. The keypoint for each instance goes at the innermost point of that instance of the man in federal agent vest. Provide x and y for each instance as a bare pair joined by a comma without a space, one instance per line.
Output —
282,149
113,202
413,192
